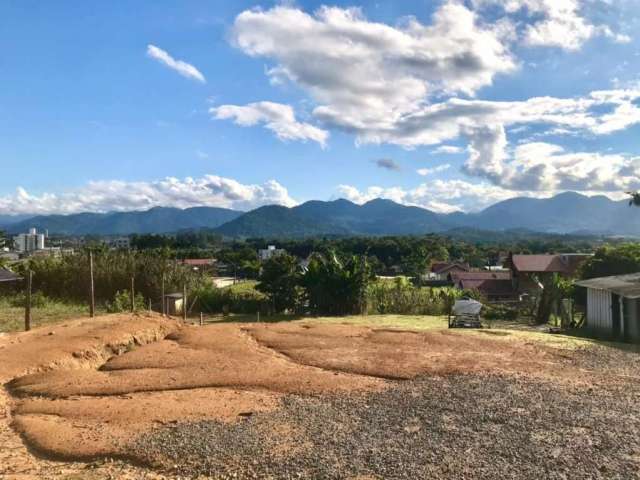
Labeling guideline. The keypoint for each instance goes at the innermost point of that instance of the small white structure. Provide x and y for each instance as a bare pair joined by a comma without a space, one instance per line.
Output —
265,254
465,314
174,304
119,243
612,306
467,307
29,242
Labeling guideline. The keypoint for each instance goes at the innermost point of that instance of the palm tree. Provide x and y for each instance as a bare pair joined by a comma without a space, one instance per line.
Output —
635,199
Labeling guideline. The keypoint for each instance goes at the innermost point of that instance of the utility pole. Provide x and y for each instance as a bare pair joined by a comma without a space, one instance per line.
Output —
27,309
92,305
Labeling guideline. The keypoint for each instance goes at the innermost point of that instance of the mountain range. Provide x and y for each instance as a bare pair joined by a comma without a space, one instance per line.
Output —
566,213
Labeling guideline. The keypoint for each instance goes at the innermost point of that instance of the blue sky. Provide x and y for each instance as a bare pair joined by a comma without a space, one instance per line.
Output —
442,104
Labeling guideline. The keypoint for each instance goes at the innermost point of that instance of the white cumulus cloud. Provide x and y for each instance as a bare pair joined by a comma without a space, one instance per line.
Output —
430,171
448,149
555,23
183,68
116,195
277,117
365,75
442,196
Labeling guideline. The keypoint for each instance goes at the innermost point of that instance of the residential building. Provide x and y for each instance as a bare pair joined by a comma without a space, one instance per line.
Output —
441,270
202,264
613,309
265,254
29,242
494,286
529,271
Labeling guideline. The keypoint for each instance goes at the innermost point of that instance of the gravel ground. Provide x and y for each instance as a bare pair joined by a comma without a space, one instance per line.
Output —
464,426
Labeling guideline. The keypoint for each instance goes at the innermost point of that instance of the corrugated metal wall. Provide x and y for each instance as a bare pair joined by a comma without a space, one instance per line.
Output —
599,310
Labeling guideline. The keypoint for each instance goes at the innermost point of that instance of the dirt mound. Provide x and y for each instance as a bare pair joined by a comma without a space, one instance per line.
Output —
84,344
98,385
398,354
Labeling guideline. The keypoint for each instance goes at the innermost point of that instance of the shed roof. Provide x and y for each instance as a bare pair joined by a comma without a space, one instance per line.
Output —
8,276
173,295
627,286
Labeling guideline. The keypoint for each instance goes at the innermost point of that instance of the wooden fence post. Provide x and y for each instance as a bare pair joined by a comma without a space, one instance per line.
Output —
201,319
184,302
27,309
164,302
133,295
92,304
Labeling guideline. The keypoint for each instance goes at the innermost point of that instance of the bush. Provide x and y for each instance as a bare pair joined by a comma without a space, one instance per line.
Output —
122,302
67,277
210,299
38,300
500,312
400,297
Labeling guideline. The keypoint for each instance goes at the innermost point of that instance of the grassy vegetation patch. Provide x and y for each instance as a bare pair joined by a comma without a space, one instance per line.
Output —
47,311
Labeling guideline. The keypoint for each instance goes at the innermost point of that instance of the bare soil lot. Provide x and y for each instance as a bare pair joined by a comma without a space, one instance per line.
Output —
314,400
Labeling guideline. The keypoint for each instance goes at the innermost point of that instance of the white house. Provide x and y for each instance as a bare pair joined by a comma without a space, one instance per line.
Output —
612,306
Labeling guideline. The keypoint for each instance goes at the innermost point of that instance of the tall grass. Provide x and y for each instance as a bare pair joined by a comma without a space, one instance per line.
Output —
45,311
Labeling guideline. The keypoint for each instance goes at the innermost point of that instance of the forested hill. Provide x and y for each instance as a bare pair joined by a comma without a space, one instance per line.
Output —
156,220
565,213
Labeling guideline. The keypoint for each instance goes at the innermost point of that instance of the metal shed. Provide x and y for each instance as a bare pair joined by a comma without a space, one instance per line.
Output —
612,306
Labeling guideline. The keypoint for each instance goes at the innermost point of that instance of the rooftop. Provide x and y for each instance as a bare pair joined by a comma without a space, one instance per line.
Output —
442,267
558,263
481,275
627,286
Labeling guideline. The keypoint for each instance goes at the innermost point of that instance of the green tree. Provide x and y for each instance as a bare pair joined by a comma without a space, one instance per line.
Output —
280,282
337,287
609,261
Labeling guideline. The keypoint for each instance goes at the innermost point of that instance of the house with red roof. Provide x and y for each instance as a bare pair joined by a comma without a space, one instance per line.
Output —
494,286
529,271
441,270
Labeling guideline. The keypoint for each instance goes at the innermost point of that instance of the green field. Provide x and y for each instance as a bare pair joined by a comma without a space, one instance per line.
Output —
12,317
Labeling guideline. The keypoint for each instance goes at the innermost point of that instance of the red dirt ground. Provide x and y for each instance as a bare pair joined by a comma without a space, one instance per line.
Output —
88,388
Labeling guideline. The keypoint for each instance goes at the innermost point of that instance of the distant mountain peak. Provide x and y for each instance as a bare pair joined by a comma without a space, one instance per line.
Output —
566,212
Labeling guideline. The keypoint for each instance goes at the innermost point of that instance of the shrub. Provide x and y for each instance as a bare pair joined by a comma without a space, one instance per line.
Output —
122,302
402,298
500,312
210,299
38,300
